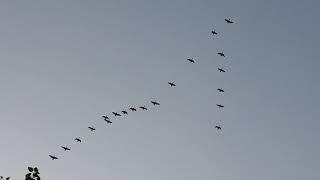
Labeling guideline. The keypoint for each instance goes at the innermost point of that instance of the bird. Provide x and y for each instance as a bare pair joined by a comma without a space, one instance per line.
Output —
7,178
214,32
143,108
65,148
171,84
105,117
218,127
124,112
220,90
221,70
228,21
53,157
191,60
77,139
108,121
221,54
116,114
92,128
155,103
220,106
133,109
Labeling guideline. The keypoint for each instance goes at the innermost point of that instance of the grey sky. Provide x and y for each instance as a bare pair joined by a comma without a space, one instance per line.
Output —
66,63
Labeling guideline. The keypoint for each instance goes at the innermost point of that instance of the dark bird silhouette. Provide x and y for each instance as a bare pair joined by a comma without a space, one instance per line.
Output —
7,178
124,112
65,148
220,105
143,108
133,109
105,117
53,157
116,114
221,70
221,54
171,84
218,127
92,128
191,60
228,21
214,33
77,139
220,90
155,103
108,121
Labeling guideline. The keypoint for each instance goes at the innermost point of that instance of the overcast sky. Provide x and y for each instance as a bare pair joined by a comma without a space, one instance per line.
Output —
65,63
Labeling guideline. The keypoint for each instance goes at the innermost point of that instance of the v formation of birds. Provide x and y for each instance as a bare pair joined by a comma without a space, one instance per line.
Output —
108,118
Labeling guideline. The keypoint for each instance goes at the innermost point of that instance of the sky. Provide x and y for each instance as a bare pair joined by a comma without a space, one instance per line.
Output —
65,63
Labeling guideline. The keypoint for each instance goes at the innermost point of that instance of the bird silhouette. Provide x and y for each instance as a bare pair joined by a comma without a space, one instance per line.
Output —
133,109
214,33
228,21
191,60
143,108
53,157
222,54
171,84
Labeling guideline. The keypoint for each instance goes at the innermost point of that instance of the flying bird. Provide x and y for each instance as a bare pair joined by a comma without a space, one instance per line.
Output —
191,60
77,139
221,54
155,103
124,112
220,105
92,128
218,127
116,114
53,157
220,90
228,21
171,84
143,108
133,109
221,70
214,33
108,121
65,148
105,117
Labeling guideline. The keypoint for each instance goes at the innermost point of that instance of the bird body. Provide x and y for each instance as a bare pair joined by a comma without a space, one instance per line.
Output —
143,108
214,33
220,105
53,157
65,148
228,21
92,128
133,109
221,54
221,70
155,103
171,84
191,60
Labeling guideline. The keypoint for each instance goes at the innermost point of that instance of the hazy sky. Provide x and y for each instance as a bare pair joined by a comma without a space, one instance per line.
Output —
65,63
